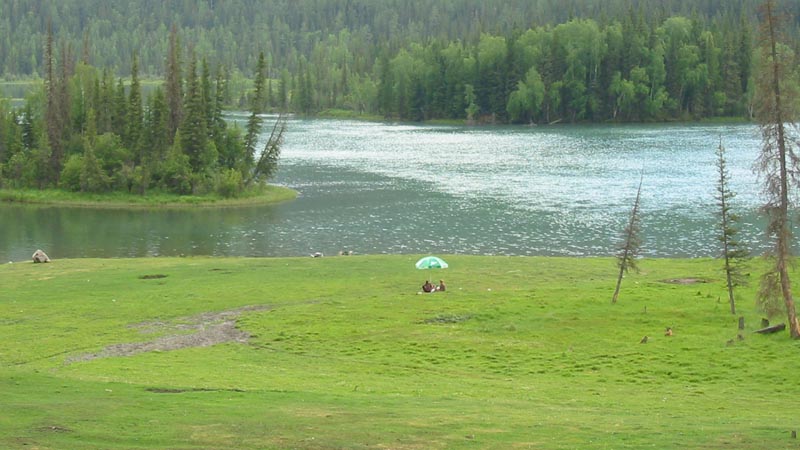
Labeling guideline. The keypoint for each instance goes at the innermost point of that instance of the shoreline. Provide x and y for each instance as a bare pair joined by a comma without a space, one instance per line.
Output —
268,195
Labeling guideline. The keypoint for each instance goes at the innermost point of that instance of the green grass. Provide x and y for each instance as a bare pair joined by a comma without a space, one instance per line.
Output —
263,195
344,353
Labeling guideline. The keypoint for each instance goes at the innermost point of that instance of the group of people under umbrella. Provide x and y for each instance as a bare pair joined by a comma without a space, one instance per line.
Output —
432,262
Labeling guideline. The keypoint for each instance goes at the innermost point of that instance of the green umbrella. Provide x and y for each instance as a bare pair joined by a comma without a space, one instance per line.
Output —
431,262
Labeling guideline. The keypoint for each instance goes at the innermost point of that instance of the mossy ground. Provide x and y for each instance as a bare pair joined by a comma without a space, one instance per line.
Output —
343,352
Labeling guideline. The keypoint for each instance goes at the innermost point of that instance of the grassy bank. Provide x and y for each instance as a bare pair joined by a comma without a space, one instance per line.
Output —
261,196
342,352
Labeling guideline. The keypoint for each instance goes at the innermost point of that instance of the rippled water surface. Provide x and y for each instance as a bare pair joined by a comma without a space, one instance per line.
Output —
398,188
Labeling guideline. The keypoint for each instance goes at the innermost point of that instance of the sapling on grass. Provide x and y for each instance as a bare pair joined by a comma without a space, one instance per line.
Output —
733,252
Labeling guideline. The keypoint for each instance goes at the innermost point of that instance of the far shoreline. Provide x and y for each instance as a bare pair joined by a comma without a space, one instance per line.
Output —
266,195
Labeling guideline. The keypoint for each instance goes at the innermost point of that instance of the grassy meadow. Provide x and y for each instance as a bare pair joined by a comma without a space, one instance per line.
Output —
260,195
343,352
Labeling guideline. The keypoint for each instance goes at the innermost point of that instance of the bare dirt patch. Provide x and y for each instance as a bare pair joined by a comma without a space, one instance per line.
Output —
54,429
152,277
202,330
181,391
447,318
687,280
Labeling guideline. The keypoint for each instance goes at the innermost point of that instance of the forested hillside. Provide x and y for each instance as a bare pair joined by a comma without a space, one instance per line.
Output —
517,61
233,32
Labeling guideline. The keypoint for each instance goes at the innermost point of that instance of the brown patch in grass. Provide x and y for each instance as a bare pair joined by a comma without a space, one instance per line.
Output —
181,391
54,429
152,277
684,281
447,318
204,330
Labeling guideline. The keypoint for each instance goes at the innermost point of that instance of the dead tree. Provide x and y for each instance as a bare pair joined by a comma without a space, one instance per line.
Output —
775,110
629,250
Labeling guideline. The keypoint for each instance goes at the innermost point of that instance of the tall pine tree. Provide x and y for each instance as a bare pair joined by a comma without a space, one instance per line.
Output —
133,133
256,104
174,86
194,135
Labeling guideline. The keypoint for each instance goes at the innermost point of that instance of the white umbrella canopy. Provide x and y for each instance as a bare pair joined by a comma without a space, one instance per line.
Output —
431,262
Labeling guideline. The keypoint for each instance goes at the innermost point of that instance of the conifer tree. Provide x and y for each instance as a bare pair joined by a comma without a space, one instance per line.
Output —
267,164
732,251
85,51
133,122
90,133
257,100
206,96
307,99
629,250
270,94
53,113
119,110
30,134
217,124
174,87
776,106
385,87
283,90
105,103
194,135
157,129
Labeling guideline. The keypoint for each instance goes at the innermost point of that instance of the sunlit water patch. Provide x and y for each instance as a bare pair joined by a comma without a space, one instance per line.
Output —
400,188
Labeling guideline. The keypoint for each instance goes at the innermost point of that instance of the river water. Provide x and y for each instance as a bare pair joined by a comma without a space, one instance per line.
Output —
377,188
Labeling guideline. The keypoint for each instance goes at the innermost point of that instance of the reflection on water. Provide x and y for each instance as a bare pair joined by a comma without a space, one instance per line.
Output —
82,232
383,188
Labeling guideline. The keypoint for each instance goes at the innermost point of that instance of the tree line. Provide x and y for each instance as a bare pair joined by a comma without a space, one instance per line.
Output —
88,131
531,61
233,32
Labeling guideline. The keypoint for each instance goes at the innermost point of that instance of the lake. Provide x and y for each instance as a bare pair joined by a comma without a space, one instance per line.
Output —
404,188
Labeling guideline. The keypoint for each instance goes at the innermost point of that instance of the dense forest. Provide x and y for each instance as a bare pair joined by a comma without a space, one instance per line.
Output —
520,61
234,32
87,131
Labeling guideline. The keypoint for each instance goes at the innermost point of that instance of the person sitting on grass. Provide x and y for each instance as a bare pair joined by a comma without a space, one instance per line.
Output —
428,286
441,286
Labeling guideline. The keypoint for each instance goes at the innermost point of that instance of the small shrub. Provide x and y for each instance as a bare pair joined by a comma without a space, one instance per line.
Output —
71,173
230,183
